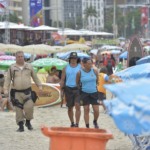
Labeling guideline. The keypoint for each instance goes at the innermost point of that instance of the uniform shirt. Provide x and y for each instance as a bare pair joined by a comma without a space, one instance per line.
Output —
88,81
21,77
71,73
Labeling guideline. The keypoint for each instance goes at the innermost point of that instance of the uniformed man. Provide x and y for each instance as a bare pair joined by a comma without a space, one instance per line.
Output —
19,79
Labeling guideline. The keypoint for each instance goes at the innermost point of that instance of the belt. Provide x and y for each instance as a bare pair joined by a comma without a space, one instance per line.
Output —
28,89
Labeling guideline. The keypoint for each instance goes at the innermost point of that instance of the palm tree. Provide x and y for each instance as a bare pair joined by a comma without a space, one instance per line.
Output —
89,12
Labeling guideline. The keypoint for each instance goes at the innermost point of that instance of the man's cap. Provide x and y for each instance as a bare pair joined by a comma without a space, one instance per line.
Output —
73,55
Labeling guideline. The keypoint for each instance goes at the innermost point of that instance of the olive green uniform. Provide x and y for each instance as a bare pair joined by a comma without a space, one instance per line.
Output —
19,78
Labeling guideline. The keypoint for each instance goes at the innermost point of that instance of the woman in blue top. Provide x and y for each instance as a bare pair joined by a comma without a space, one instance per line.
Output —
87,78
68,85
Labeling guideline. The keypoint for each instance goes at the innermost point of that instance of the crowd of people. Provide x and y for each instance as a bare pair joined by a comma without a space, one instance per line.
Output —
80,81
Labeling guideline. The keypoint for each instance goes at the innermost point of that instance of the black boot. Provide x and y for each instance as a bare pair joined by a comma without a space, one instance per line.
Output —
21,127
28,125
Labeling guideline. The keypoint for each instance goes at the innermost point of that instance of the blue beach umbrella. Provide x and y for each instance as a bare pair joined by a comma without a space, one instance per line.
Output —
27,55
125,119
66,55
128,91
135,72
143,60
124,55
128,119
132,117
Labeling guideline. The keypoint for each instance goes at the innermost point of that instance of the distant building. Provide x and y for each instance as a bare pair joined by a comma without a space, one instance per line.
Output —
126,3
94,23
56,12
72,12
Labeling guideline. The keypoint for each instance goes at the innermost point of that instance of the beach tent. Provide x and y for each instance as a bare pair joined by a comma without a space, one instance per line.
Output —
44,28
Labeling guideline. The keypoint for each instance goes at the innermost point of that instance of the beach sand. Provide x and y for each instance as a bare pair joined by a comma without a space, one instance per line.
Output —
56,117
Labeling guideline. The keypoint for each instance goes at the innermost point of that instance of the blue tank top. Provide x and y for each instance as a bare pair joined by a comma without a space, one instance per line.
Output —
88,81
71,73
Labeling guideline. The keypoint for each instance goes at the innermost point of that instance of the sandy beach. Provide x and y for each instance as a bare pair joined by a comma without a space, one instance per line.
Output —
52,116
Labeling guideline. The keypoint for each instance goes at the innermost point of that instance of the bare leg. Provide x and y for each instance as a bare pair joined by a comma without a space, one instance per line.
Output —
96,115
4,103
96,111
9,106
86,114
102,104
70,114
77,113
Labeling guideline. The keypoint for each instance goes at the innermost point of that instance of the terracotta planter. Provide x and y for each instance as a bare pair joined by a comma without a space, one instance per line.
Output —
63,138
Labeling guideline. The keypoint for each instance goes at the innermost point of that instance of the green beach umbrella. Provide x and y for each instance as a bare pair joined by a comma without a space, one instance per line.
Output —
6,63
47,63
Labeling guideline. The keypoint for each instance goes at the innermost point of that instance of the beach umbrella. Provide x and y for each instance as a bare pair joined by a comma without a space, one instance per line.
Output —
124,55
105,52
27,55
2,46
135,72
10,48
67,54
135,88
2,53
7,57
6,63
143,60
136,96
76,46
58,48
94,51
123,116
115,51
47,63
110,47
38,49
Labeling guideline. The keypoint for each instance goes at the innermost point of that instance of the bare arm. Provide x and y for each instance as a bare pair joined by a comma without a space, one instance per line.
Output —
63,76
96,73
78,79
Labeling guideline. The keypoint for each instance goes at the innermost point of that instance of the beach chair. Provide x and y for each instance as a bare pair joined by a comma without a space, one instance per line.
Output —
140,142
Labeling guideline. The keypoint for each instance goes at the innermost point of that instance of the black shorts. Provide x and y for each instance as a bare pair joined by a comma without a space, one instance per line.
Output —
89,98
101,96
72,96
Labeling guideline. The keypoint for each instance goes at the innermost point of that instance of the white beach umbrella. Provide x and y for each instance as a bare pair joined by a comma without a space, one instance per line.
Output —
38,49
76,47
